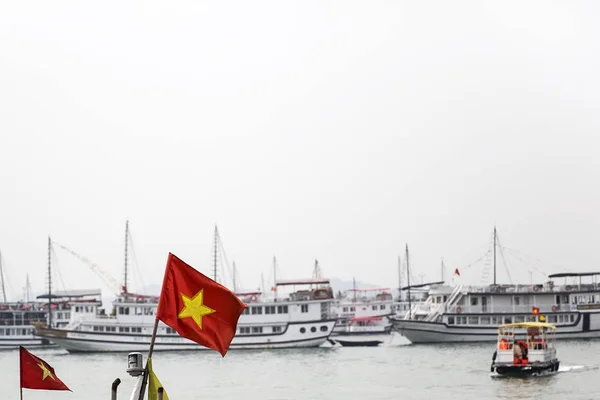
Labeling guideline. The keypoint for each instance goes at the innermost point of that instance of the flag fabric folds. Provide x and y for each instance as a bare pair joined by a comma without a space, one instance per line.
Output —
535,310
37,373
456,272
154,384
197,307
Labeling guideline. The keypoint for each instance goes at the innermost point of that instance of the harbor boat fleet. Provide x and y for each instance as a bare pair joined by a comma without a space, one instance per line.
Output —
305,313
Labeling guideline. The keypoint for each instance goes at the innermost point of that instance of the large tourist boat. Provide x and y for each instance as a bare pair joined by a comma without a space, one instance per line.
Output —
474,313
297,313
301,319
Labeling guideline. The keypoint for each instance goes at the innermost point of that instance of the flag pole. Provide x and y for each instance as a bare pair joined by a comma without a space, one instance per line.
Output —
20,372
145,379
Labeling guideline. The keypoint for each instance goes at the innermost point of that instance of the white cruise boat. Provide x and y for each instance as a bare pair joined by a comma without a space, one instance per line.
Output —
364,312
301,319
474,313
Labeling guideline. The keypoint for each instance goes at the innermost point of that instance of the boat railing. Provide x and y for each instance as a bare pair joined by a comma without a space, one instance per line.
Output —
440,308
75,322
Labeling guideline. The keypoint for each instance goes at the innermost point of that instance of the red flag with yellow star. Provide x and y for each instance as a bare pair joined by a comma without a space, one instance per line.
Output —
37,373
197,307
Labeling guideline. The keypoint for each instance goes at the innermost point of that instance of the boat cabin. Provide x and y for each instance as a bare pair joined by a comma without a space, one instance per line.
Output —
525,343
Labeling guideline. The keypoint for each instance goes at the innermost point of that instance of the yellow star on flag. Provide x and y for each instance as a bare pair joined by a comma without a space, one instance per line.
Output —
46,371
195,308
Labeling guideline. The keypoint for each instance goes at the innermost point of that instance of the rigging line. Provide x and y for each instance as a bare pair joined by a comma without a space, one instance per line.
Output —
7,279
135,263
504,262
476,261
56,268
225,267
533,267
537,259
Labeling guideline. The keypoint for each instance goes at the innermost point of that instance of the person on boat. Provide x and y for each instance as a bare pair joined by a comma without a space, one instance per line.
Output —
503,344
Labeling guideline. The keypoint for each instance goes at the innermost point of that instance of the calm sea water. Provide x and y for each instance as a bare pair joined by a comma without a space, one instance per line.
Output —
394,371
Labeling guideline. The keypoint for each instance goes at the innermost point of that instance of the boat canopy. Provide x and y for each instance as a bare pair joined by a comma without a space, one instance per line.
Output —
528,325
572,274
421,285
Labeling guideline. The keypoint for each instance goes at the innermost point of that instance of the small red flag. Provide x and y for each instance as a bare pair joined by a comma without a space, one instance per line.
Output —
456,272
535,310
197,307
37,373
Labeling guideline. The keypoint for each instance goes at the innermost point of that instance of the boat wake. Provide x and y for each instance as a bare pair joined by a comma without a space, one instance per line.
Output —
562,368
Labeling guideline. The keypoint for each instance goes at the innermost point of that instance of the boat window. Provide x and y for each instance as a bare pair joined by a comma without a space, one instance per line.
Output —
450,320
323,328
473,320
282,309
552,319
485,320
508,320
352,309
304,308
558,299
374,307
257,329
516,300
345,309
276,329
473,301
313,329
495,320
382,307
1,331
246,311
572,318
302,330
244,330
519,318
270,310
256,310
561,318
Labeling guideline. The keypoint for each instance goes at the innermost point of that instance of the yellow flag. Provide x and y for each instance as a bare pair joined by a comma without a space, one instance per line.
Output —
154,384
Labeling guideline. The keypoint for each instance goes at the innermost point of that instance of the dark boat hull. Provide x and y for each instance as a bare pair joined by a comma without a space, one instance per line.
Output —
521,371
359,343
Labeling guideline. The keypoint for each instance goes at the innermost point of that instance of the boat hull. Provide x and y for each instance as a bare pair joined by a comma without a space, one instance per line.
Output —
522,371
28,343
438,332
358,343
93,342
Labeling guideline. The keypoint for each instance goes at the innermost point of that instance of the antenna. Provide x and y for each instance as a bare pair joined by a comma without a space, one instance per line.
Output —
126,251
354,287
2,280
400,278
27,289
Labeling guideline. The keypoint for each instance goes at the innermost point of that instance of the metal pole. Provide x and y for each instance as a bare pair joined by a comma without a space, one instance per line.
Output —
145,380
49,282
113,393
160,393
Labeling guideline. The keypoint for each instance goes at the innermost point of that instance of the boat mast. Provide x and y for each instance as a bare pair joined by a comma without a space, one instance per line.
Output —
215,254
2,280
408,281
49,282
275,276
27,289
399,278
495,240
354,287
126,251
442,269
234,287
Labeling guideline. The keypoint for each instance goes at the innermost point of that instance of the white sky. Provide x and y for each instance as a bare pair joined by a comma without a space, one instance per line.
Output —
336,130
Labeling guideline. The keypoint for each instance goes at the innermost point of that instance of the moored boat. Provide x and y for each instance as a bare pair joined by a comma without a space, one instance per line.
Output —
525,349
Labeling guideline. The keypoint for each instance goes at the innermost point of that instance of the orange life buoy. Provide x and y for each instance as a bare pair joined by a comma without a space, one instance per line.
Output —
554,308
458,309
253,298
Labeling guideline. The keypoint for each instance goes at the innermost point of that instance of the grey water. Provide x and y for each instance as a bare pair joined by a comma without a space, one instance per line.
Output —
395,370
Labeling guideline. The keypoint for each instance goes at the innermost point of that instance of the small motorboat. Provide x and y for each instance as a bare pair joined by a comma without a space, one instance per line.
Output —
525,349
357,343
